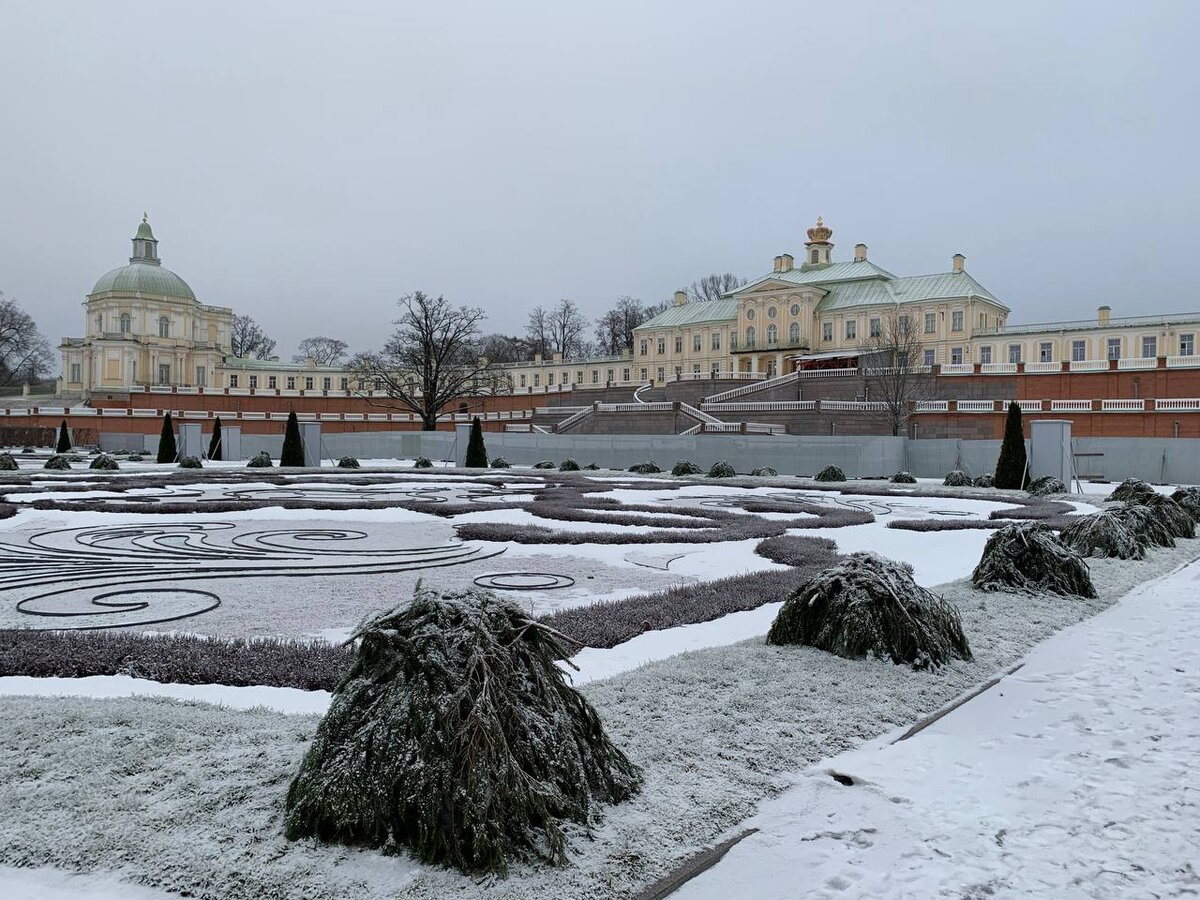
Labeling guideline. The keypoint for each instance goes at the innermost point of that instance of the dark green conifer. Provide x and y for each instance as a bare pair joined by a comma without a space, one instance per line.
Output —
477,457
214,445
64,439
1011,467
166,441
293,447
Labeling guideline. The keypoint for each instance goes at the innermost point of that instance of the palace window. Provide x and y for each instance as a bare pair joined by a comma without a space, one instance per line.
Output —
537,379
308,384
930,323
815,256
1149,347
956,320
75,374
233,381
827,331
549,379
608,375
643,376
751,336
625,375
771,312
733,340
1114,348
929,357
579,376
678,344
126,323
716,341
291,382
716,367
678,372
985,354
1078,351
1046,352
645,346
903,324
750,314
326,383
874,328
253,382
956,356
696,343
795,309
772,335
662,376
522,381
164,327
851,329
1187,344
662,346
1014,353
595,376
794,334
272,382
345,383
164,373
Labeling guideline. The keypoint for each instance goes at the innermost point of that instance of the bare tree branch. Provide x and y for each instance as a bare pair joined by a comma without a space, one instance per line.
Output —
714,286
25,354
324,351
894,368
249,340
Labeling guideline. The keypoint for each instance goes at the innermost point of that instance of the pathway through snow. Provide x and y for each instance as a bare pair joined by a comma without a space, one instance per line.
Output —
1071,778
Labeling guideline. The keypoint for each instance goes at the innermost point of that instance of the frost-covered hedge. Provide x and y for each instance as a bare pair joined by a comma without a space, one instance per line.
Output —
986,480
830,473
58,461
1030,557
866,605
1189,499
1044,485
190,462
544,464
649,467
721,469
1131,490
1103,534
1146,523
1174,516
8,463
903,478
686,467
501,463
592,467
956,478
488,749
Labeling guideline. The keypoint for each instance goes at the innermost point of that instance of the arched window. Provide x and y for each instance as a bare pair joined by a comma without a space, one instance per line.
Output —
772,334
164,326
126,323
750,335
794,333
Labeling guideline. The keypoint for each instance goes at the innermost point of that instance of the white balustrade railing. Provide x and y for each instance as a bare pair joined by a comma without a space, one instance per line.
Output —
1041,368
825,373
690,410
1138,362
958,369
657,406
998,368
1191,404
764,428
764,406
695,429
1183,362
1070,406
1122,405
1026,405
932,406
852,405
572,419
1089,365
975,406
749,388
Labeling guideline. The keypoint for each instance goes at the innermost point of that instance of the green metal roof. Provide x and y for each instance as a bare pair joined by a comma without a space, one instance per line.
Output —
723,310
143,277
817,275
144,232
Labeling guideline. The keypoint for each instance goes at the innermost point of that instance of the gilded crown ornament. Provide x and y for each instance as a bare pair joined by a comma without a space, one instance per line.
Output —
819,233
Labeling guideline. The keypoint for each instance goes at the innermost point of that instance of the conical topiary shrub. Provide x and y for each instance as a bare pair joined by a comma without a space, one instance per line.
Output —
104,462
501,463
8,463
260,460
57,461
477,457
903,478
1103,535
424,462
1030,557
830,473
868,605
763,472
957,478
1010,467
456,734
1131,490
685,467
348,462
568,465
649,467
293,448
721,469
64,439
1044,485
167,453
214,444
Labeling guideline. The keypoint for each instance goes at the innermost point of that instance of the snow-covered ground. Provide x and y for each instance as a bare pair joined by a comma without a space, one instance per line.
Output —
1074,777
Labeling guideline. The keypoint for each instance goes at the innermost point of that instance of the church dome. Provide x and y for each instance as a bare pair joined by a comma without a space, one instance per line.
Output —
145,273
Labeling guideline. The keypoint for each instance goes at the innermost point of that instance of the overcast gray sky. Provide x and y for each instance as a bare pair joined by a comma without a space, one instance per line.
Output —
309,163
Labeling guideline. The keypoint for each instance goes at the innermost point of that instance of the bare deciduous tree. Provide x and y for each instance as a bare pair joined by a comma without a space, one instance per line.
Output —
556,330
433,358
25,354
614,330
712,287
324,351
894,369
504,348
249,341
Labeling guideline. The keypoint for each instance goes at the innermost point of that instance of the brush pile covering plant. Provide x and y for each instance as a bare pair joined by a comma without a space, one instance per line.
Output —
1104,534
984,481
260,460
830,473
568,465
1174,516
868,605
1146,523
544,464
456,734
956,478
1131,490
763,472
191,462
348,462
501,463
1030,557
1187,497
57,461
592,467
685,467
423,462
721,469
1045,485
8,463
903,478
649,467
104,462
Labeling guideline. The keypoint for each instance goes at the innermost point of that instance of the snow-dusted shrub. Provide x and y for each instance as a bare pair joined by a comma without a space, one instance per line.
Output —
7,463
592,467
190,462
568,465
957,478
830,473
501,463
423,462
1187,497
685,467
488,748
1044,485
1146,523
544,464
763,472
649,467
1131,490
348,462
903,478
57,461
260,460
104,461
1103,534
1174,516
1029,556
721,469
136,457
868,605
986,480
